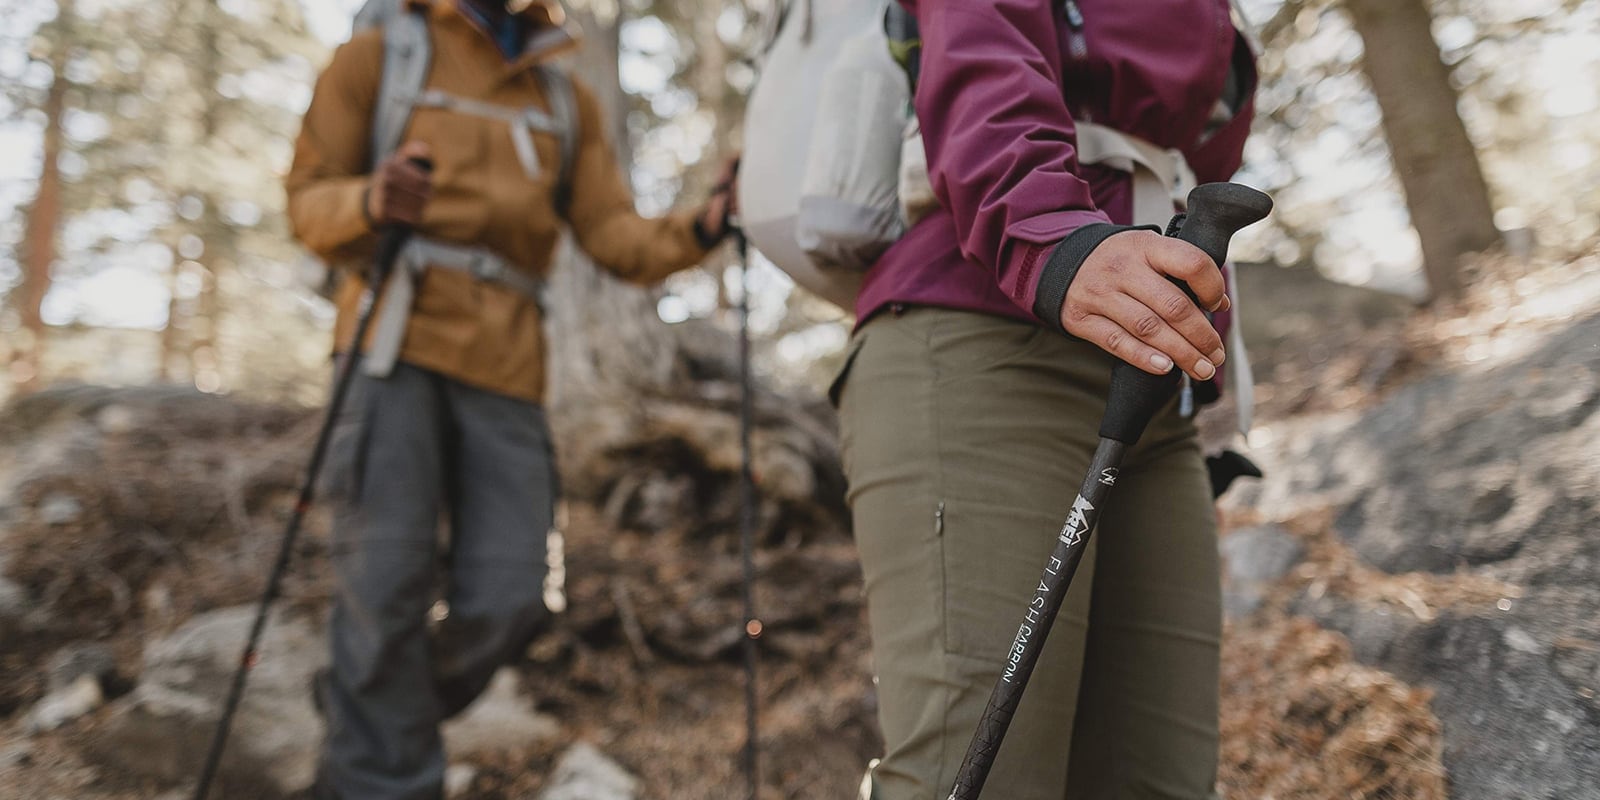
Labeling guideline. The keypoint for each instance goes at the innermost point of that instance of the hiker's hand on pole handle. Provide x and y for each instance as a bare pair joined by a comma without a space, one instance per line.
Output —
722,207
401,186
1216,212
392,234
1123,299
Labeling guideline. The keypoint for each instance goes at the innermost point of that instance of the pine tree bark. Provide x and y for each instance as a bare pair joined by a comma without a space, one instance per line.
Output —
1433,156
43,221
189,347
645,414
604,336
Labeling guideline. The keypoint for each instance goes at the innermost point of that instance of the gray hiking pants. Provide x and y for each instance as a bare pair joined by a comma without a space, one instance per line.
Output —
407,449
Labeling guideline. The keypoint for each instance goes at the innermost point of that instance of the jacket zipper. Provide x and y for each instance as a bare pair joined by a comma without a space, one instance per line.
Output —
1077,45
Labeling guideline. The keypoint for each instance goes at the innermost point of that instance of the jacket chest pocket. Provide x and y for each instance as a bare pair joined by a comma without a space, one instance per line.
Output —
457,141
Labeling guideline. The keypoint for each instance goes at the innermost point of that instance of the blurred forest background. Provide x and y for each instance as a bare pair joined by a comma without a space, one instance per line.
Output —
1409,590
141,215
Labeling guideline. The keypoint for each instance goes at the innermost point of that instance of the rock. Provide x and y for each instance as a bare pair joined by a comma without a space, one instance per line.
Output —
500,721
59,509
75,661
585,773
13,607
162,728
17,754
117,419
1484,476
66,704
1253,559
458,779
1494,683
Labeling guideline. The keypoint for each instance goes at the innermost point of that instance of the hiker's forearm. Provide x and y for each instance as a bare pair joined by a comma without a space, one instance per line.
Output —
327,216
991,73
327,182
642,250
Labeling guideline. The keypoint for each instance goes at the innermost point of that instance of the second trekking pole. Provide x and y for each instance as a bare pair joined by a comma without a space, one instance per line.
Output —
391,241
747,520
1216,212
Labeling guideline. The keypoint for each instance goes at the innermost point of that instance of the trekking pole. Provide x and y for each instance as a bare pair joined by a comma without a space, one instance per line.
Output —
747,517
391,239
1216,212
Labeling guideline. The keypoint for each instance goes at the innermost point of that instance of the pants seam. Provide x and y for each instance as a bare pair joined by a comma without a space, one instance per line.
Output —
939,488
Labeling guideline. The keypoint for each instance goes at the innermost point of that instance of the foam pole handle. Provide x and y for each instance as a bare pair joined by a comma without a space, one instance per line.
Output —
1216,212
392,237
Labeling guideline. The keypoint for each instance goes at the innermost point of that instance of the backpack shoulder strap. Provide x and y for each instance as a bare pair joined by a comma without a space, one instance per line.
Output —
407,58
564,109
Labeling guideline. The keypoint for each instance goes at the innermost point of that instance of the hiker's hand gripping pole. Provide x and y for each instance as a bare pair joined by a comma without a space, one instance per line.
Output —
1216,212
392,239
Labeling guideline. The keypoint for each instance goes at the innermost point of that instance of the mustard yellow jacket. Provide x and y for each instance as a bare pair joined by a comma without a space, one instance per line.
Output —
483,334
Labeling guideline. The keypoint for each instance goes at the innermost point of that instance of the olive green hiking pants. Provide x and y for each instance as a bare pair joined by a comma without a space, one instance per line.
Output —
965,439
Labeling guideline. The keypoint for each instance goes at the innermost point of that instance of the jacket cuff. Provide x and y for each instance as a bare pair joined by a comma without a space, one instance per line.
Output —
703,237
329,215
1062,266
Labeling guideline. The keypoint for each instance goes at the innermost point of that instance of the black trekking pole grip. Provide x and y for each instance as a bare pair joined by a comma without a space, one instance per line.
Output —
392,237
1216,212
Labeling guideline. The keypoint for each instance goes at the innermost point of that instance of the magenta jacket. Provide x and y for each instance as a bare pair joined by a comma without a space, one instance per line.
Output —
1001,83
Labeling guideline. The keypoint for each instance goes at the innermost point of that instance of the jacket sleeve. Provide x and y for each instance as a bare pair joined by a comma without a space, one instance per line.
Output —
328,179
1001,145
602,214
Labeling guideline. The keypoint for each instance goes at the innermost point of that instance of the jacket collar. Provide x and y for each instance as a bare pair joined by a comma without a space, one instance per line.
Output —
549,34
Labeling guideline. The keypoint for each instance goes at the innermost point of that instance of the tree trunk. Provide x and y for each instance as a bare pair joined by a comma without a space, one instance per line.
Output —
44,217
205,357
645,413
189,348
1437,164
604,335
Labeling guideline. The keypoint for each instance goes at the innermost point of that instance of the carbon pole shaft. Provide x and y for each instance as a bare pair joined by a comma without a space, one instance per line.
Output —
1038,619
391,241
1216,212
341,388
747,520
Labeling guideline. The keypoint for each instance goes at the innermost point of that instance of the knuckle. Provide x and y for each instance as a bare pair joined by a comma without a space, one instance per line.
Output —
1116,341
1176,306
1190,265
1147,326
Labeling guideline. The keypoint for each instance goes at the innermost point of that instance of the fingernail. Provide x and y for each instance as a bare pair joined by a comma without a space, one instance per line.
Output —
1204,370
1224,305
1217,356
1161,362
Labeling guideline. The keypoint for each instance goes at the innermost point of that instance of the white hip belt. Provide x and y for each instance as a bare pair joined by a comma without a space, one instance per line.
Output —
419,254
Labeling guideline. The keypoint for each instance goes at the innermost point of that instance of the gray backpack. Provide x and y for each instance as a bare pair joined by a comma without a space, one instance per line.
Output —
407,58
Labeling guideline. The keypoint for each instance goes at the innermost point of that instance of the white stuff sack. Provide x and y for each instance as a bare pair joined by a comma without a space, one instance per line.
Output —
779,125
849,211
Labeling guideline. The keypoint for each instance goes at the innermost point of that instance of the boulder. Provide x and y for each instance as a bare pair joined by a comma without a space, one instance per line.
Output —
1486,475
585,773
66,704
501,721
14,607
162,728
75,661
1253,559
